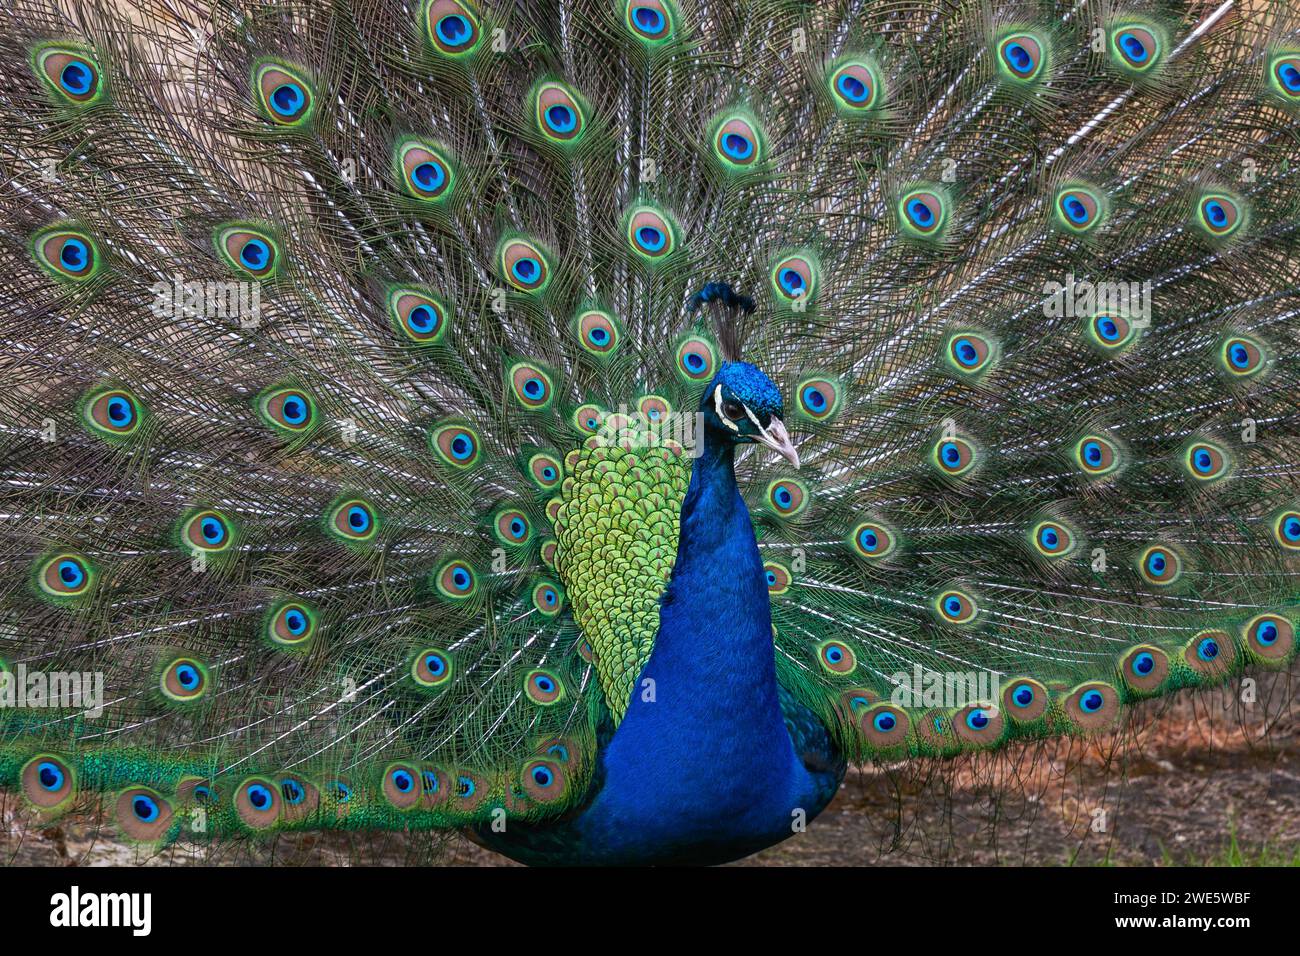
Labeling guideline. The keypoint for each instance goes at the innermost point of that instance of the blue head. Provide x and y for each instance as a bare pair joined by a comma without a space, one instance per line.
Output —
743,406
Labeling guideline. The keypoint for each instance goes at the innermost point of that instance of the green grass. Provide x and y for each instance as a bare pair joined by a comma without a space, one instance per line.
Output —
1234,854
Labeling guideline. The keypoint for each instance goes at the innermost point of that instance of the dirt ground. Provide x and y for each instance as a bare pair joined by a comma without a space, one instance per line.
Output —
1205,778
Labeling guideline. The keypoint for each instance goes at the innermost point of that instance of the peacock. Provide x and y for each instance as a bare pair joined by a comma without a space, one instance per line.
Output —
593,425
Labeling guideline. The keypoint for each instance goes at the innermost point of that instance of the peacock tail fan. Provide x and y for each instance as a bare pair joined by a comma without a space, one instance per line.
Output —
352,350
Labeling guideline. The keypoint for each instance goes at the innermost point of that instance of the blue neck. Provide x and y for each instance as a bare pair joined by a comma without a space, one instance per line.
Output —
715,625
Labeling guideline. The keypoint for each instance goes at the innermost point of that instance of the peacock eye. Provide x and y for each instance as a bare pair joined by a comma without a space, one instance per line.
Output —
733,410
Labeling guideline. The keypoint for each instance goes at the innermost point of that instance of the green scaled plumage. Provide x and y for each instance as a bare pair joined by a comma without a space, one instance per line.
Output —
337,360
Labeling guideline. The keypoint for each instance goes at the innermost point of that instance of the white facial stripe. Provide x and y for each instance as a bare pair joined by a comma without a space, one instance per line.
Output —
717,405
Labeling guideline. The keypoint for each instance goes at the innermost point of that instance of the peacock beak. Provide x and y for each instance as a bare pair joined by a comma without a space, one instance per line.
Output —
775,437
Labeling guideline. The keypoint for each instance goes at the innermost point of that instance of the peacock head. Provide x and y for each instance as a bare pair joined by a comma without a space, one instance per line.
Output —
743,406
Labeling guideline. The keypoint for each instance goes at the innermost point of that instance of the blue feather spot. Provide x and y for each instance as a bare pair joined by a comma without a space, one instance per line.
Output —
187,676
1019,59
293,792
120,411
462,447
792,282
868,540
1135,48
650,239
1048,538
294,409
213,530
145,808
966,353
977,719
422,319
526,270
1207,649
1108,329
465,787
454,30
1092,701
1023,695
1291,528
403,781
558,751
287,99
50,776
1076,210
1144,664
1266,633
737,147
543,777
77,77
1156,563
1216,214
75,255
951,454
255,254
852,88
296,622
1290,77
71,574
1092,453
920,213
258,796
561,119
429,176
649,20
358,519
884,722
